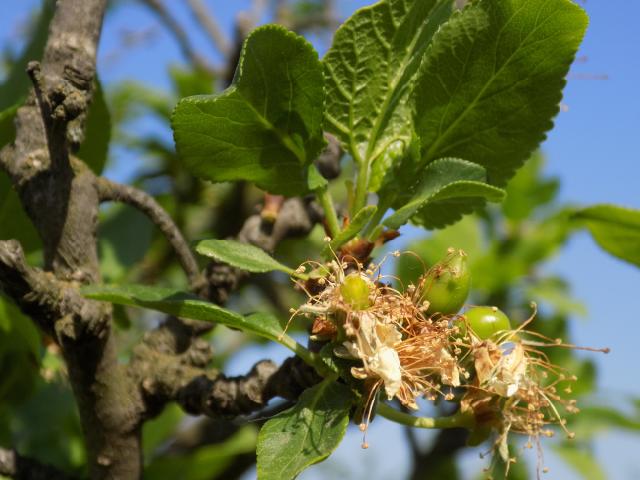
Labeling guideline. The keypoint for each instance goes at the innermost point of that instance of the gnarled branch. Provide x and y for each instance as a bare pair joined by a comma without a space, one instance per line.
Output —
295,218
55,305
183,378
60,196
116,192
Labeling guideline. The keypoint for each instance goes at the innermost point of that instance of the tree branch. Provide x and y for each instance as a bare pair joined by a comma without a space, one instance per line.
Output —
182,378
164,363
116,192
206,20
432,463
296,218
60,195
18,467
54,305
181,36
213,431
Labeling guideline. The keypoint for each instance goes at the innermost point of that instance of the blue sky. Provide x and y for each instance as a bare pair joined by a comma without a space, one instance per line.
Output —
592,149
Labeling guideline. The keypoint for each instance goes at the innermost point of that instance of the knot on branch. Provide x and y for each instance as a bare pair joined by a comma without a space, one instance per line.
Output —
291,379
222,279
64,103
295,218
164,378
57,306
178,337
229,396
13,267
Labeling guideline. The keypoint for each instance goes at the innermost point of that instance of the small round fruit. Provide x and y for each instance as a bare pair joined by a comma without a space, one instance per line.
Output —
355,292
446,285
487,321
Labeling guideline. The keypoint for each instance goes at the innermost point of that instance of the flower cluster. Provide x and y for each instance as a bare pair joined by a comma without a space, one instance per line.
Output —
402,350
414,344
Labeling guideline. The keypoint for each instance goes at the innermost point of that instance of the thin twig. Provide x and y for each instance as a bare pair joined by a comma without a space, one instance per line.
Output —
257,9
209,24
179,33
116,192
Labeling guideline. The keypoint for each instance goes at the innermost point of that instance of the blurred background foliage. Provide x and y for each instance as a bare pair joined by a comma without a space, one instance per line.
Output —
508,246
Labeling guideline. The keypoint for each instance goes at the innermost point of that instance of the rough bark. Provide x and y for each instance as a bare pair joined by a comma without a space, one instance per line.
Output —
60,196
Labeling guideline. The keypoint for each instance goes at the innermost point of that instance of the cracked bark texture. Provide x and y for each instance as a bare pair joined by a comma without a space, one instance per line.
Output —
62,197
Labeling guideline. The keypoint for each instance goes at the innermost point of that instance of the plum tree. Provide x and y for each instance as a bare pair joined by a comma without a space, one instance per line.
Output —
421,111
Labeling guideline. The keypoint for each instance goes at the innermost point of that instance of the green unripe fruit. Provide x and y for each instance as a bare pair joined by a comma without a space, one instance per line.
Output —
487,321
355,292
446,285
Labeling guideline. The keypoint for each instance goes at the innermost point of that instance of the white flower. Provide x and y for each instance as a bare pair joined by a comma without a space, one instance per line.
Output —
386,364
501,368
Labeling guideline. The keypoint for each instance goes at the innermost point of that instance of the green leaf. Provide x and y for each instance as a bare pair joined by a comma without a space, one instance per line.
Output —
450,188
182,304
454,201
186,305
582,461
19,353
616,229
130,100
159,430
528,190
206,462
14,220
306,433
492,81
14,323
241,255
555,292
52,407
316,181
188,82
595,418
125,235
95,147
268,126
358,222
369,71
7,128
465,235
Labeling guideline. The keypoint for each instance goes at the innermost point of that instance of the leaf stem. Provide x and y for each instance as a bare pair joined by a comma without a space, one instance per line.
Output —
374,222
306,355
459,420
324,197
362,186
